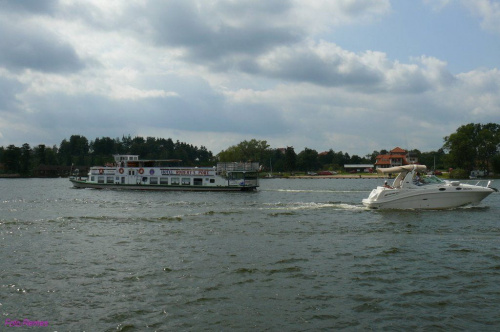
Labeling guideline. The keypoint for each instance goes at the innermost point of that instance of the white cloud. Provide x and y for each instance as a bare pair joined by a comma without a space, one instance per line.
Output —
320,15
488,11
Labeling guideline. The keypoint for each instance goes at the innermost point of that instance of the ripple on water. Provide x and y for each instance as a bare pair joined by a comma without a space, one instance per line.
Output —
296,255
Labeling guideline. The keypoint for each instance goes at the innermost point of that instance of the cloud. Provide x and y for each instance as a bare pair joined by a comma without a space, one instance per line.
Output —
215,73
8,89
211,31
227,34
323,64
30,6
488,11
25,45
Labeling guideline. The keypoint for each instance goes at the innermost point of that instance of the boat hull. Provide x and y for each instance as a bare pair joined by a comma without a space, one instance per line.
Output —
432,200
81,184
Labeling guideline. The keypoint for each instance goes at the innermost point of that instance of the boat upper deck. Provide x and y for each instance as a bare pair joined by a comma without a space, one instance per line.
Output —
167,165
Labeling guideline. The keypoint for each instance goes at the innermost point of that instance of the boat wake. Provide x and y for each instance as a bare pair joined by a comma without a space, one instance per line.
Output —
315,191
312,206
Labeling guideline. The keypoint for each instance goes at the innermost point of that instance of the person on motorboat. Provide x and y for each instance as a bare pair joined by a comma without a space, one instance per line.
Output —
418,179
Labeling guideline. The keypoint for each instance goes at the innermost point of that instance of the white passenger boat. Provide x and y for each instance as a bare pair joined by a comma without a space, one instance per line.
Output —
130,173
411,191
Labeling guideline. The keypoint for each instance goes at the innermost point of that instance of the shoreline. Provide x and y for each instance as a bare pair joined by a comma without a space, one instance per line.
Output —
337,176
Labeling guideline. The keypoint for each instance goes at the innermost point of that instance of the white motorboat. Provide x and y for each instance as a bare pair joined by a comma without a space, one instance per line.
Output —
410,190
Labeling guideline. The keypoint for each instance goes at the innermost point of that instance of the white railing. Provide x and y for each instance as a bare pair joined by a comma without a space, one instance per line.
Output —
237,167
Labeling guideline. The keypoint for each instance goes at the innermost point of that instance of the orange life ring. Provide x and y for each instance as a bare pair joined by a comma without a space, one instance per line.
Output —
141,170
101,171
121,170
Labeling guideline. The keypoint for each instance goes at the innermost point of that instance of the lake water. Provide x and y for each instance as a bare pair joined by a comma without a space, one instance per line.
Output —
295,255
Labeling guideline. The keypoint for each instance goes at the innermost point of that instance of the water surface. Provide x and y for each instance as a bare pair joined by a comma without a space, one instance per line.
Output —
295,255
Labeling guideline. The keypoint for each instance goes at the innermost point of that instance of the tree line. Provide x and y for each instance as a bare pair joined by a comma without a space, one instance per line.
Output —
78,151
310,160
472,146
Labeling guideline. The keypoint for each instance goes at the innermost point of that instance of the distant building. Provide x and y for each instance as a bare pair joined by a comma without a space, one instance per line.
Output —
396,157
358,168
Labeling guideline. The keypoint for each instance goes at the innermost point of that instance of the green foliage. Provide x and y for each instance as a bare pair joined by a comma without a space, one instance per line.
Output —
11,159
253,150
79,152
495,163
431,158
472,146
459,173
290,161
307,160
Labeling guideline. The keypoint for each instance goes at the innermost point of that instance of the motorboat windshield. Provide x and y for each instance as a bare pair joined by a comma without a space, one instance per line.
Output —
431,179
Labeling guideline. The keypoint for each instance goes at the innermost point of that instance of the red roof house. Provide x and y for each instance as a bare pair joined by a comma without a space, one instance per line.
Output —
396,157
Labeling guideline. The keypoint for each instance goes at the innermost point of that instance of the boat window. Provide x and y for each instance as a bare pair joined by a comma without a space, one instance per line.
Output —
175,181
186,181
92,178
109,179
153,180
236,175
431,179
100,179
198,182
163,180
212,180
251,176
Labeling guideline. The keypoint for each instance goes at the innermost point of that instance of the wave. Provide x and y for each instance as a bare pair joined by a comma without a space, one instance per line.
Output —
313,206
316,191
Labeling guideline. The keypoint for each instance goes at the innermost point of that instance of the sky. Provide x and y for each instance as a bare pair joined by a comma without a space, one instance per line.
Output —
350,75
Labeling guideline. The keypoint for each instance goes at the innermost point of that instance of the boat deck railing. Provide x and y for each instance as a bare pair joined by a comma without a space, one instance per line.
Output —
481,183
237,166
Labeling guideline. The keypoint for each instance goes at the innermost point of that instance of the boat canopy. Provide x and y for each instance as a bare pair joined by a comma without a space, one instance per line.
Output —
405,168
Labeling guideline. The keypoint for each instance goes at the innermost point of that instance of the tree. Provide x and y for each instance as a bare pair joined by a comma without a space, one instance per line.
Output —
276,161
12,159
74,151
25,160
40,154
253,150
355,159
104,146
472,145
290,161
432,158
326,158
495,163
307,160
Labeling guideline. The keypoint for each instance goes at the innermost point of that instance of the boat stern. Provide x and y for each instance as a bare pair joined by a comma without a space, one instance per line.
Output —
371,201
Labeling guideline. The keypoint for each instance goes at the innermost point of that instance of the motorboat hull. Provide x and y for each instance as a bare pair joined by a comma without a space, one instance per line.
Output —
430,198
